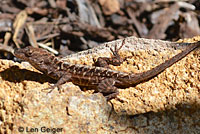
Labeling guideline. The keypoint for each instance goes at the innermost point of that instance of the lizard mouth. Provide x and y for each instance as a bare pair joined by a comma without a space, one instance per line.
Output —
19,53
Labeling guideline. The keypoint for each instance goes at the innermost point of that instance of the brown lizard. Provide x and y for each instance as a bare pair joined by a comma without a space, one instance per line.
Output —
104,80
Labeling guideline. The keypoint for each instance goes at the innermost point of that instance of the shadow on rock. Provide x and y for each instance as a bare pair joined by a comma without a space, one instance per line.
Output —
15,74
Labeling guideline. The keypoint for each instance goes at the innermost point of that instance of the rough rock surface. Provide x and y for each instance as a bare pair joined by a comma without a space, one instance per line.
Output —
169,103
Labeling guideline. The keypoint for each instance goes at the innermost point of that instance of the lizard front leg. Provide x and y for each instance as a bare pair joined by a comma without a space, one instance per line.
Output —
62,80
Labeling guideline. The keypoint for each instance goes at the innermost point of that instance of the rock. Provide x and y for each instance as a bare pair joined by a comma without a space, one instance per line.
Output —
168,103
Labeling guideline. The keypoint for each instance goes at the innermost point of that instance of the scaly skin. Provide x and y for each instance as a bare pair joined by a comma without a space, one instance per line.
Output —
101,79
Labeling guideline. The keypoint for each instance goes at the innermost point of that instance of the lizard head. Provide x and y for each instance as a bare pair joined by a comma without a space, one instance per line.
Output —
24,53
37,57
30,52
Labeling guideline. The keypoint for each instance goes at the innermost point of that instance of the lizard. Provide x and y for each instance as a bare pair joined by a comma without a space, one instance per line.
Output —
101,79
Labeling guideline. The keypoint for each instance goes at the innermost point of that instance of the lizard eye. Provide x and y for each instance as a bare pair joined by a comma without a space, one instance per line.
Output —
40,61
28,54
28,51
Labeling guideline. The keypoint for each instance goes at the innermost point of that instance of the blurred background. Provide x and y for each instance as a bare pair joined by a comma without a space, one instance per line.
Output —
69,26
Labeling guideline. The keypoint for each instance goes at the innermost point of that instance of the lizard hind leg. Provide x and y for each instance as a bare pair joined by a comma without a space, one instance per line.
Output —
107,88
115,52
115,60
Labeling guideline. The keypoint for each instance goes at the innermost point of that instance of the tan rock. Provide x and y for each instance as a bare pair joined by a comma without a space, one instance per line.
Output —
169,103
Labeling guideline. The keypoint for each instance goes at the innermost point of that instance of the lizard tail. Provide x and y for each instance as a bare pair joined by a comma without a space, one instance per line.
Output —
145,76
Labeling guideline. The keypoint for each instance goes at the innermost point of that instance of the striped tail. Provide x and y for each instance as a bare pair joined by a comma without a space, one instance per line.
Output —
145,76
